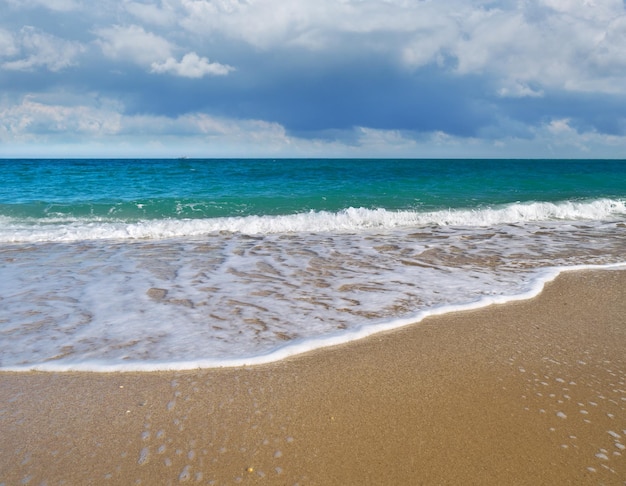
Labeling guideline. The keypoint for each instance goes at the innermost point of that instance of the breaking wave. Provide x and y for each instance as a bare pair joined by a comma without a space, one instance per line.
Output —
67,229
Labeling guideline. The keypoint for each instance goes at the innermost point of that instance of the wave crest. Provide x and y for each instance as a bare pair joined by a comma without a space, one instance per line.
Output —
348,220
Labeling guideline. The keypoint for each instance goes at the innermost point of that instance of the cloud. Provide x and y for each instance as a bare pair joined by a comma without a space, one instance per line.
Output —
266,24
56,5
320,75
85,116
517,89
560,136
35,49
133,43
191,66
609,53
549,44
89,125
35,118
164,15
152,51
8,46
431,42
561,126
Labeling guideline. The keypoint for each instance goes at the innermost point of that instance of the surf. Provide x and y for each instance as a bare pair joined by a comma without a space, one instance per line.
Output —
60,228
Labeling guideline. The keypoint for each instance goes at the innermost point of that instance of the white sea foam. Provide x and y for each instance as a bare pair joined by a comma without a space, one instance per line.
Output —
102,295
306,345
150,333
349,220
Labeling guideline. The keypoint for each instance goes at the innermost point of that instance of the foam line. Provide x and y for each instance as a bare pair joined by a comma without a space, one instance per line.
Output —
303,346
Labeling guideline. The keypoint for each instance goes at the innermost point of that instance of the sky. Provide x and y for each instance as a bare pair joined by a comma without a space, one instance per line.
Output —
313,78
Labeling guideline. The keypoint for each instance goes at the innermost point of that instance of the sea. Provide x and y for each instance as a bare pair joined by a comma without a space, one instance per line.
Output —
141,265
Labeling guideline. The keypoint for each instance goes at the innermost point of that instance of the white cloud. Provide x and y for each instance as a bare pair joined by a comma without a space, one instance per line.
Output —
431,42
90,118
548,44
377,142
517,89
8,46
526,47
559,135
312,24
149,50
133,43
609,53
35,118
56,5
576,45
35,48
163,15
318,24
89,125
191,66
560,127
529,48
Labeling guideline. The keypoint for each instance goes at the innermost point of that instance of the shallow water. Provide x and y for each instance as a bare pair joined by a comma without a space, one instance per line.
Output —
105,293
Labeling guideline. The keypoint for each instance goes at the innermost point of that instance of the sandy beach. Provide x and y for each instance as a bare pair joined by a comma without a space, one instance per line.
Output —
531,392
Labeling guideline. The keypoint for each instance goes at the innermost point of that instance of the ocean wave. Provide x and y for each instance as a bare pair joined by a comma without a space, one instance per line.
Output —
61,229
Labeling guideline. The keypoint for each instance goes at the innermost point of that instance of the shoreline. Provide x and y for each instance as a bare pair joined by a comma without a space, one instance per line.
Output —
300,347
526,392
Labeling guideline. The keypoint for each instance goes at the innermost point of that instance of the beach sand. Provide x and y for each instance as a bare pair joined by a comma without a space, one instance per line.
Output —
529,392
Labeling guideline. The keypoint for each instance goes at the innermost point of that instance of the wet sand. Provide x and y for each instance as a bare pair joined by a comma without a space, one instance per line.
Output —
530,392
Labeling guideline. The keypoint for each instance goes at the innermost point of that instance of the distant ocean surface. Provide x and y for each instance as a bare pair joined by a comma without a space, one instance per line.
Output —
170,264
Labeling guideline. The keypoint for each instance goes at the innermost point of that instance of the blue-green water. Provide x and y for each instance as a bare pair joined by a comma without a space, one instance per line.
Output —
153,189
150,264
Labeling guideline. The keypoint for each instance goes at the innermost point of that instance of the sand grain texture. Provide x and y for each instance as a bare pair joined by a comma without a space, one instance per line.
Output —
530,392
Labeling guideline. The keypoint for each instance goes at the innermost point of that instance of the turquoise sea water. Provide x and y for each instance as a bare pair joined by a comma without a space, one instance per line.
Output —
147,264
133,190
